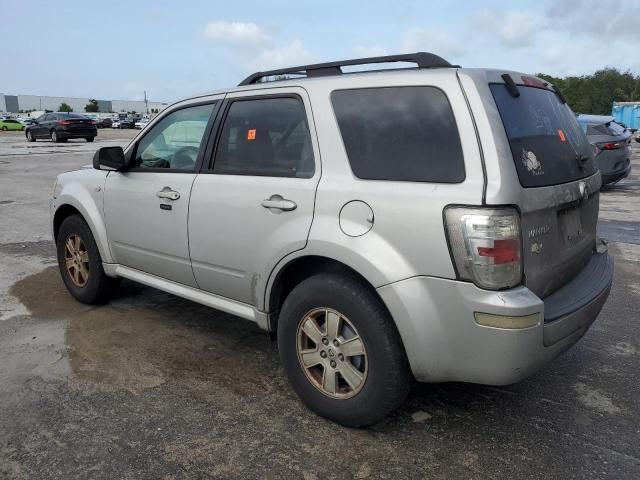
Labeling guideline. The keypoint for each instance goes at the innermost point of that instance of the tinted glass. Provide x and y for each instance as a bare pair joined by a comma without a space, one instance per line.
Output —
174,142
265,137
547,144
615,128
600,129
400,133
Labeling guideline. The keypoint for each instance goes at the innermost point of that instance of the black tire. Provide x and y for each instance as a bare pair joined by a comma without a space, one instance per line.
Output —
30,137
99,287
54,136
90,139
388,379
4,129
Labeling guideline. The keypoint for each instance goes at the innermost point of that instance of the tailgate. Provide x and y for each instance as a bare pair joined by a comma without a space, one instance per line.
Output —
558,232
560,185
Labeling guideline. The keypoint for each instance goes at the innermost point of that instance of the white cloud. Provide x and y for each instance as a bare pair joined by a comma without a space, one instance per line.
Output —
432,40
373,51
237,34
286,56
596,18
511,28
255,47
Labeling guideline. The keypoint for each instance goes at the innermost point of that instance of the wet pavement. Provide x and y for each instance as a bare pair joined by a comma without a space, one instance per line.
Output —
153,386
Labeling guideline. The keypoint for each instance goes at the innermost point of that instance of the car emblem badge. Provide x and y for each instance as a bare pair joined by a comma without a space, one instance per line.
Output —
584,190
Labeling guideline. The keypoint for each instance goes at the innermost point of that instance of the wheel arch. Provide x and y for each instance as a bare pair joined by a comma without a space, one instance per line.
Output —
84,205
299,268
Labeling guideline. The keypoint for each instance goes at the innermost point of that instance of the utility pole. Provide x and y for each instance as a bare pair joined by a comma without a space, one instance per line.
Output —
146,102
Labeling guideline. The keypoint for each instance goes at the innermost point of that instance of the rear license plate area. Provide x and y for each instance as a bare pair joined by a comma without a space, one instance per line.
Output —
570,225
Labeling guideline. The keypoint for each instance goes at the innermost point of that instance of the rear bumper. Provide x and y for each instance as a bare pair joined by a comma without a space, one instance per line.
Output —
435,318
77,132
615,175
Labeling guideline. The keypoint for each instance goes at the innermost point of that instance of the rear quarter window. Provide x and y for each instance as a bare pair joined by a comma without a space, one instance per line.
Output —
400,134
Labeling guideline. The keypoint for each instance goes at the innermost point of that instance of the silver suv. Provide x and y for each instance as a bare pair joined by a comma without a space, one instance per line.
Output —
435,222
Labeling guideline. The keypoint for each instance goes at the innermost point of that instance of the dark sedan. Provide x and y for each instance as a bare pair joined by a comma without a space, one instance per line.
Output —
60,126
613,146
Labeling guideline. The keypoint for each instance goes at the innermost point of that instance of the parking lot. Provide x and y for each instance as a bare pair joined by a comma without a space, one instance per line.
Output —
153,386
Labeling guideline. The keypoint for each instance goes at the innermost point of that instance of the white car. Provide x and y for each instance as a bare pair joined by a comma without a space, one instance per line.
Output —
115,124
140,124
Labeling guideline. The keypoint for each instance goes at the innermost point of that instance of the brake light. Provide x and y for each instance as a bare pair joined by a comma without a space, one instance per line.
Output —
533,81
64,122
485,245
610,145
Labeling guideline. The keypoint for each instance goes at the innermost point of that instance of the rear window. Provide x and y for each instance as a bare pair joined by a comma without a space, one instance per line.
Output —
615,128
547,144
400,133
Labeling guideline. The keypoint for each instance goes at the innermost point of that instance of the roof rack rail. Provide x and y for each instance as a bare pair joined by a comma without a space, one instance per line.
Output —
421,59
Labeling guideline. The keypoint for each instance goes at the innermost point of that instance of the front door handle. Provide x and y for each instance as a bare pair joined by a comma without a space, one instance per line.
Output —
169,194
277,204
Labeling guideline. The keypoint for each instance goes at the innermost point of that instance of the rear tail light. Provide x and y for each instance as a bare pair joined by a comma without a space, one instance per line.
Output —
485,245
610,145
64,122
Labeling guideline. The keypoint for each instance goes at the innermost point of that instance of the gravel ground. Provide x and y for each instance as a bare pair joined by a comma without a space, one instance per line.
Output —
153,386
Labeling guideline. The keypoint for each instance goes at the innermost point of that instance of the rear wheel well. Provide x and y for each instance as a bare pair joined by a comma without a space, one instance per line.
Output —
300,269
64,211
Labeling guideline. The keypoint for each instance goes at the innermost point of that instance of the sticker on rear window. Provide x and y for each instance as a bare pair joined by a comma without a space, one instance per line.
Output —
531,163
561,135
251,134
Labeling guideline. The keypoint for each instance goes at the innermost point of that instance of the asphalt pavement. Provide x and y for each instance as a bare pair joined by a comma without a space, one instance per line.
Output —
154,386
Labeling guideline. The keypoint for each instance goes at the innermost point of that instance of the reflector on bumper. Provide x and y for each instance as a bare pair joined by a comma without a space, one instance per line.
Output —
505,321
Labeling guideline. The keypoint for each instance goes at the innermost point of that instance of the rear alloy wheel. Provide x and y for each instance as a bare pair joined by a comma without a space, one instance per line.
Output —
54,136
341,350
333,356
30,137
80,263
4,129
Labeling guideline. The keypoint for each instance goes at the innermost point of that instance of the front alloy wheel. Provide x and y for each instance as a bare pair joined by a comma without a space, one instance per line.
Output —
76,260
332,353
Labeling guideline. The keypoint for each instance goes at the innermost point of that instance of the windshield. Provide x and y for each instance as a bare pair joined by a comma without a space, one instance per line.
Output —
547,144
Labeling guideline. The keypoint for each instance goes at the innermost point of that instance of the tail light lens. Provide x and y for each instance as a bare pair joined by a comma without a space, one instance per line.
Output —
64,122
485,245
610,145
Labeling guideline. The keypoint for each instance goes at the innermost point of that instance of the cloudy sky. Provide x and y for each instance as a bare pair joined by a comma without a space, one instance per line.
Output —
116,49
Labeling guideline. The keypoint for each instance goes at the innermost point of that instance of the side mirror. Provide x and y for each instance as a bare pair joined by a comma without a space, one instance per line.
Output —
110,157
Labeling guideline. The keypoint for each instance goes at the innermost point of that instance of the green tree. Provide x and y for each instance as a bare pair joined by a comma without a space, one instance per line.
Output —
92,106
65,107
596,93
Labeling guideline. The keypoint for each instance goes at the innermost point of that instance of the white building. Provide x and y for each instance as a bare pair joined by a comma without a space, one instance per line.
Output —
15,103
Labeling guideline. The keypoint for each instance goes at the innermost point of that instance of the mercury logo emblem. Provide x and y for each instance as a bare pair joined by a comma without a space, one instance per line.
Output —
584,190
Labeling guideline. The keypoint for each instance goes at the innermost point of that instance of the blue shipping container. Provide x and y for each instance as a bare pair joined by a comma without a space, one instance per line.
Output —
627,113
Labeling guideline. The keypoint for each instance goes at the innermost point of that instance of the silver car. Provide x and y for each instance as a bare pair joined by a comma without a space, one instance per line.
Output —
435,223
612,142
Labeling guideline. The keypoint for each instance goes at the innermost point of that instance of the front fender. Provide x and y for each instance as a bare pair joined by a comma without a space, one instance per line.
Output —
83,190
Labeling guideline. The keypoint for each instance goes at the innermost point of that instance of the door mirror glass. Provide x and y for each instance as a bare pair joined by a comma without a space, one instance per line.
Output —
110,157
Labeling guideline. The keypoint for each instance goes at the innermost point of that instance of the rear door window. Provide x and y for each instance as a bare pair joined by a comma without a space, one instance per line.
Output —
265,137
400,133
547,144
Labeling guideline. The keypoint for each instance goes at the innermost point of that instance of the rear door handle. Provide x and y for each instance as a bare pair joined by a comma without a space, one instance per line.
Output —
169,194
276,202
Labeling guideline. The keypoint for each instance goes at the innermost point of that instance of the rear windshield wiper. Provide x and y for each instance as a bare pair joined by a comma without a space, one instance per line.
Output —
512,88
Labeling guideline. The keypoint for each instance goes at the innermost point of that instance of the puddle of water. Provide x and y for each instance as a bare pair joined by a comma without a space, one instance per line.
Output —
145,338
